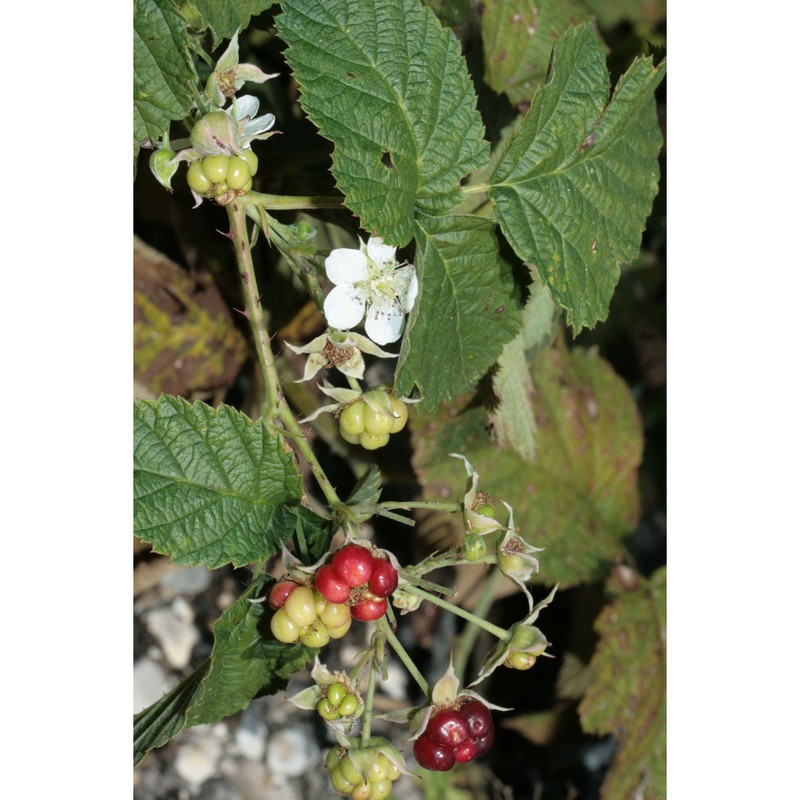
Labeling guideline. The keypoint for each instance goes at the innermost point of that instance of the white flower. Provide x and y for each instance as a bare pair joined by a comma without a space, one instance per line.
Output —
370,281
244,109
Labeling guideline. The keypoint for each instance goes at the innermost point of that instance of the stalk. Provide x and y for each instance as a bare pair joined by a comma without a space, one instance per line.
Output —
500,633
398,648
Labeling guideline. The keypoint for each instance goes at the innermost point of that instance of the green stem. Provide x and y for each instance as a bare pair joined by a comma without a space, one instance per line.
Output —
389,505
467,639
255,314
353,383
478,188
276,406
398,648
279,202
366,730
500,633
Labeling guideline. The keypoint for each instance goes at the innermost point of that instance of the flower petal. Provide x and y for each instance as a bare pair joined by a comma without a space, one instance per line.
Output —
344,306
384,323
259,125
382,254
412,287
345,265
246,106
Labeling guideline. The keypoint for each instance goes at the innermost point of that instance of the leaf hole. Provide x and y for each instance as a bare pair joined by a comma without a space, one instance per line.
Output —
386,160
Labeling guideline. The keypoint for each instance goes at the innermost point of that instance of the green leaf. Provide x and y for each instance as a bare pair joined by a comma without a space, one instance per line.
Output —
389,86
579,499
644,14
465,310
517,40
627,696
157,724
246,660
210,485
225,17
164,77
513,419
576,184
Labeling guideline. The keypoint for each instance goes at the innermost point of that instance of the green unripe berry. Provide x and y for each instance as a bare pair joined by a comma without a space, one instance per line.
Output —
351,439
332,759
215,168
196,178
381,790
339,782
350,771
521,661
376,422
376,773
370,441
316,636
348,706
252,161
334,615
486,510
248,186
283,629
362,792
327,711
300,607
400,417
337,633
238,173
474,547
351,420
336,693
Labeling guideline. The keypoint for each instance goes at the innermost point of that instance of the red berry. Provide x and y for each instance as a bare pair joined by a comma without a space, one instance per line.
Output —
478,718
465,752
448,728
430,755
370,609
352,564
383,580
333,589
484,744
280,591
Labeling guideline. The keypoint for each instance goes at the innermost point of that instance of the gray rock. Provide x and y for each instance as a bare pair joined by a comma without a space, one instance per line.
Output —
150,682
198,759
174,630
187,580
291,752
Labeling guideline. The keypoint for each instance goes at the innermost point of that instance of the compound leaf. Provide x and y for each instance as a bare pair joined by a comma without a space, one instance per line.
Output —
389,86
164,77
517,40
210,485
465,311
627,694
513,419
225,17
576,183
579,498
158,723
246,660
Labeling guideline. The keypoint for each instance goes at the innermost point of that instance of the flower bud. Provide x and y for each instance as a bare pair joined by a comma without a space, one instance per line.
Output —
163,167
215,133
405,601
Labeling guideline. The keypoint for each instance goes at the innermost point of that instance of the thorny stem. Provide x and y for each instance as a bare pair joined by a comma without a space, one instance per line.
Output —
366,730
276,406
467,639
500,633
409,664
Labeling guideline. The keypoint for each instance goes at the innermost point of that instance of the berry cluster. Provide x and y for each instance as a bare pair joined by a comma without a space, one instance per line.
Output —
371,781
216,176
338,702
304,615
455,735
357,577
361,424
